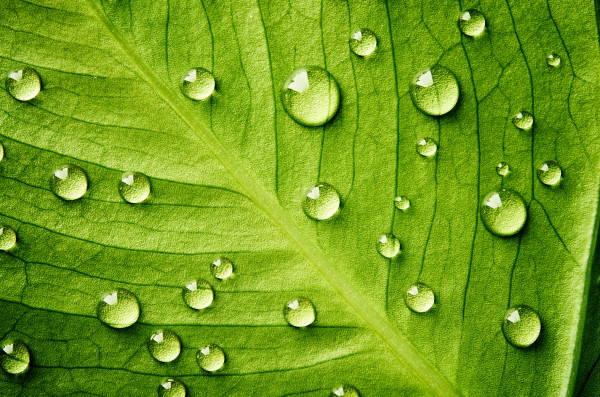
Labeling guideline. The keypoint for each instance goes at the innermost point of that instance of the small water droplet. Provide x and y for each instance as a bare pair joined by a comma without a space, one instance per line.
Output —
8,238
24,84
363,42
119,309
69,182
388,245
553,60
402,203
503,169
164,345
435,91
311,96
299,312
522,326
523,120
198,294
549,173
345,391
427,147
503,212
198,84
134,187
419,298
222,268
211,358
1,151
322,202
472,23
171,388
15,357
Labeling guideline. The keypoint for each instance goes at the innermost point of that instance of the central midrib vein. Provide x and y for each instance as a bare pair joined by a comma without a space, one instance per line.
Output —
398,344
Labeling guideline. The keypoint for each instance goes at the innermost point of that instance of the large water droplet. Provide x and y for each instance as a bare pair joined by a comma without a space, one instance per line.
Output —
134,187
211,358
198,294
503,169
299,312
522,326
8,238
164,345
345,391
311,96
472,23
427,147
69,182
435,91
503,212
119,309
402,203
321,202
221,268
553,60
523,120
24,84
171,388
549,173
419,298
388,245
363,42
198,84
15,357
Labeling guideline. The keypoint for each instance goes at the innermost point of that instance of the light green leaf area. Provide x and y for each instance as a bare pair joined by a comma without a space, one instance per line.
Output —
229,176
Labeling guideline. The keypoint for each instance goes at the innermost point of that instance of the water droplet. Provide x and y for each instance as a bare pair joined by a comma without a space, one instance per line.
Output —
171,388
388,245
8,238
1,151
503,169
523,120
221,268
503,212
24,84
346,391
553,60
402,203
549,173
164,345
119,309
522,326
363,42
435,91
198,294
134,187
311,96
299,312
419,298
69,182
472,23
321,202
211,358
427,147
15,357
198,84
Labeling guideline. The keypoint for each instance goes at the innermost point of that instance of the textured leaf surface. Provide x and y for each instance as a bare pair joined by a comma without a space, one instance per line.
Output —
229,175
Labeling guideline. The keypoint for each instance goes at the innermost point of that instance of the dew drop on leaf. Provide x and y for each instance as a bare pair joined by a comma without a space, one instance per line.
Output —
402,203
419,298
503,169
164,345
363,42
503,212
134,187
69,182
221,268
119,309
471,23
8,238
435,91
523,120
198,294
171,388
24,84
345,391
322,202
427,147
15,357
1,151
299,312
522,326
211,358
553,60
388,245
198,84
549,173
311,96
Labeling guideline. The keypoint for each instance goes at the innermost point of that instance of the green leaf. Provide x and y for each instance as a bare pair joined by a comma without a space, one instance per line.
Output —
229,175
